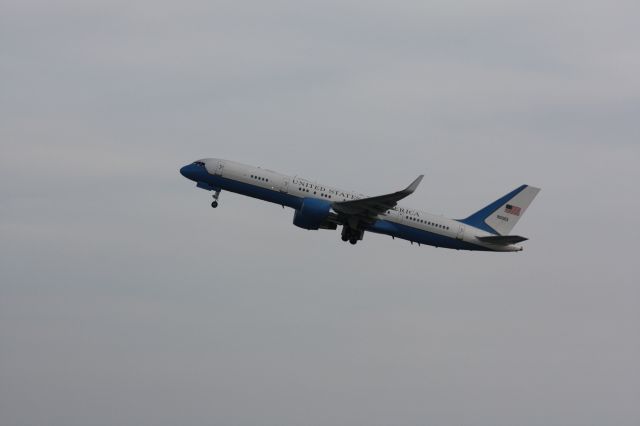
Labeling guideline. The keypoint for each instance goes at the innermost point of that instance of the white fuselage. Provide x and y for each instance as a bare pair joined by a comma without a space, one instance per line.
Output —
398,221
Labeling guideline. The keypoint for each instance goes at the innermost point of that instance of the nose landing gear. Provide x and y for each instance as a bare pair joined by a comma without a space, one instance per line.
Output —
216,195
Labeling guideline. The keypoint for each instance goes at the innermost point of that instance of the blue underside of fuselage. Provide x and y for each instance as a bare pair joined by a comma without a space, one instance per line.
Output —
421,236
386,227
254,191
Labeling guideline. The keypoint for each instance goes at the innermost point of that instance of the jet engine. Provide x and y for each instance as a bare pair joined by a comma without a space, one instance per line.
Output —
313,215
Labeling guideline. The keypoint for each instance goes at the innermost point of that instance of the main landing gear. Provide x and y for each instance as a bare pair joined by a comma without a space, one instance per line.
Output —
216,195
351,235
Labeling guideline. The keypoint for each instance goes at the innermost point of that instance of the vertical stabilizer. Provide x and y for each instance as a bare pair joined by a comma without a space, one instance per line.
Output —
502,215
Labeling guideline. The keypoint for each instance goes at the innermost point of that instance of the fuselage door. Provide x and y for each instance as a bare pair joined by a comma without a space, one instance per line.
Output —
285,185
460,234
219,168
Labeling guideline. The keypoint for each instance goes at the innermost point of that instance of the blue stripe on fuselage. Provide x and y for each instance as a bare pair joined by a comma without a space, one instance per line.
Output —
254,191
380,226
421,236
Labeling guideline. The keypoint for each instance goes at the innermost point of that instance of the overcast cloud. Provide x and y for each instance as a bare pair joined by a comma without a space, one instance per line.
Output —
126,300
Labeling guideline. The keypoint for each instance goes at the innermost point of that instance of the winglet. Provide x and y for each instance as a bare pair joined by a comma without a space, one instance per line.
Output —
411,188
373,206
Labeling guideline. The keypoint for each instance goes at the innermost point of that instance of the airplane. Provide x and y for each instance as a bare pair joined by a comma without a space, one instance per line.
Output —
317,206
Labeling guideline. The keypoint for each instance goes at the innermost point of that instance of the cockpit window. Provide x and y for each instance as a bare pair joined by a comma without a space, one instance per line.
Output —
199,163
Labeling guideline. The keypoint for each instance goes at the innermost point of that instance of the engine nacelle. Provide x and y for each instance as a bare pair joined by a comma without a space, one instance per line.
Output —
313,214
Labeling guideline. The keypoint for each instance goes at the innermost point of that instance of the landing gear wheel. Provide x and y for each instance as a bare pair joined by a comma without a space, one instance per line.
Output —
215,199
352,235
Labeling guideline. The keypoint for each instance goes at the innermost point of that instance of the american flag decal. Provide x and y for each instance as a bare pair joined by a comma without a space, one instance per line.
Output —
514,210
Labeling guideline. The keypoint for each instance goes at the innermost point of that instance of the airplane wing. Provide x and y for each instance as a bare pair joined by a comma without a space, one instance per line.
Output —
373,206
503,240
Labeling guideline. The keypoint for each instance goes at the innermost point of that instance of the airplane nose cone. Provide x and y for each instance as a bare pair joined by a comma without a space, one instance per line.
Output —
188,171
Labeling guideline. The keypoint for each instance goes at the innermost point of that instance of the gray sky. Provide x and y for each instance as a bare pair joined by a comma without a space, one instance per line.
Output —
126,300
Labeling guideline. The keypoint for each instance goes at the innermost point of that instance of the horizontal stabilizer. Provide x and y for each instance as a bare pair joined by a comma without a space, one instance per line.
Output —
503,240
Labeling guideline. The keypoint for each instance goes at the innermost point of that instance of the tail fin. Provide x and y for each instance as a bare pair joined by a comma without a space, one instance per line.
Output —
502,215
